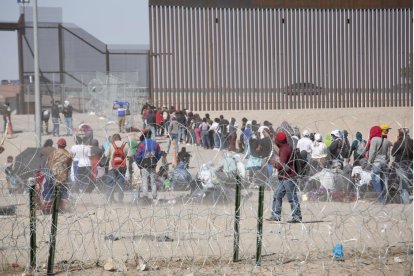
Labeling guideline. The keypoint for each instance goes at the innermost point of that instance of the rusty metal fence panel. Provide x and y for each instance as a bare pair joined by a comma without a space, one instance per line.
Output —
209,58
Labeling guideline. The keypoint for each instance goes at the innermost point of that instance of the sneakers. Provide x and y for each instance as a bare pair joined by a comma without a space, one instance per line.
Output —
273,219
295,220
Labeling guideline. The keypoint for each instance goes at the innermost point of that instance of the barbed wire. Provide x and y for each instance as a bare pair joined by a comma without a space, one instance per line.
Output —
192,231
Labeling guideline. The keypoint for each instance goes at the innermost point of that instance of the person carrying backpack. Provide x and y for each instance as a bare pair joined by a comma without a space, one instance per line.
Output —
147,155
358,148
286,184
117,154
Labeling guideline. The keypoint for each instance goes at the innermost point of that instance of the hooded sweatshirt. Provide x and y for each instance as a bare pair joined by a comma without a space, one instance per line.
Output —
379,147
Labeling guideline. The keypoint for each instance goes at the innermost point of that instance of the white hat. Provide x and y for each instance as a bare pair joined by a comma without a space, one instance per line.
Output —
248,123
305,133
260,130
337,133
66,103
318,137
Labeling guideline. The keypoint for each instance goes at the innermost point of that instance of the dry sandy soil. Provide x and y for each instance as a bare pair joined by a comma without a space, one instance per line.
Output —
186,238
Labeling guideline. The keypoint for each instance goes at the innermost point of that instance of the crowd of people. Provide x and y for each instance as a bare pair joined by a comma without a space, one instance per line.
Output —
284,152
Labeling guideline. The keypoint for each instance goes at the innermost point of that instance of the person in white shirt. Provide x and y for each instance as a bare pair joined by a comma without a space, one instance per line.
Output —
319,152
82,170
304,143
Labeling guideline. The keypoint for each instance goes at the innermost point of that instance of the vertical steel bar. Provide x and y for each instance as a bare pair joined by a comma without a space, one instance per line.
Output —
400,56
409,56
259,238
260,60
317,33
249,59
236,243
53,230
165,56
158,59
289,23
191,39
265,68
169,71
342,91
394,57
204,55
387,52
361,58
33,247
186,50
272,47
256,61
382,56
278,57
151,51
198,57
285,61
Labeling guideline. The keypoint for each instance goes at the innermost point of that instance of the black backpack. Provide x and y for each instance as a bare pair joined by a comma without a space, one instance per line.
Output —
299,162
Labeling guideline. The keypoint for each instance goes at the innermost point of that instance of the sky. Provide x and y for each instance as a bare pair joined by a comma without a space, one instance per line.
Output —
111,21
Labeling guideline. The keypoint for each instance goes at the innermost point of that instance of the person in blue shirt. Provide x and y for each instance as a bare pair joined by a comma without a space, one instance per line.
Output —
121,108
146,157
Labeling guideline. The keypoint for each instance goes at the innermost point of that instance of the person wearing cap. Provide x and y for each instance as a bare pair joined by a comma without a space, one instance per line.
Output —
286,184
67,112
59,163
335,148
378,159
304,144
385,129
319,152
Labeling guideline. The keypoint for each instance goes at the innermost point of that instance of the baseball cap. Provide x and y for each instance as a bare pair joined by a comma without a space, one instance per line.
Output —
61,142
385,126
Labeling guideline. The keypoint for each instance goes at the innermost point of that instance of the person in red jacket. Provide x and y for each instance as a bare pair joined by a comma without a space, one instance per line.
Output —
285,185
159,122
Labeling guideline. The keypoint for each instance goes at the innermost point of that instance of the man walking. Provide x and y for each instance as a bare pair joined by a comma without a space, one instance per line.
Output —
117,154
147,155
285,185
67,113
55,118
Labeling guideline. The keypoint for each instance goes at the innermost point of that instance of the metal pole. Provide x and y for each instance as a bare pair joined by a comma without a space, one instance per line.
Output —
259,227
237,222
32,196
38,122
53,231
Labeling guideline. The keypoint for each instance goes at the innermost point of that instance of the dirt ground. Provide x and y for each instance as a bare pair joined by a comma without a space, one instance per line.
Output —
197,239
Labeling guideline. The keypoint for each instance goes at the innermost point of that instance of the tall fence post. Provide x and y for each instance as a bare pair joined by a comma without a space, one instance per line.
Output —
259,227
55,213
237,222
32,198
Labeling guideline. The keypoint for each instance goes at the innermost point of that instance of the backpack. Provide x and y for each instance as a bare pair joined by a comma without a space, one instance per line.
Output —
360,150
299,162
118,157
149,160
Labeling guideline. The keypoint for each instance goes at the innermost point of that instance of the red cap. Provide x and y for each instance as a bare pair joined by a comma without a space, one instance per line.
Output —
61,142
280,137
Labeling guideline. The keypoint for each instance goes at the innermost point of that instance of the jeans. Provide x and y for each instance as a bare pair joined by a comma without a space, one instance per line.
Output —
288,187
116,180
69,127
152,128
55,122
145,173
377,180
217,141
181,133
173,137
205,138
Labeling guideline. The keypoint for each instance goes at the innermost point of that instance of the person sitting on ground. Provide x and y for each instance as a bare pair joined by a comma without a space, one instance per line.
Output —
184,156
